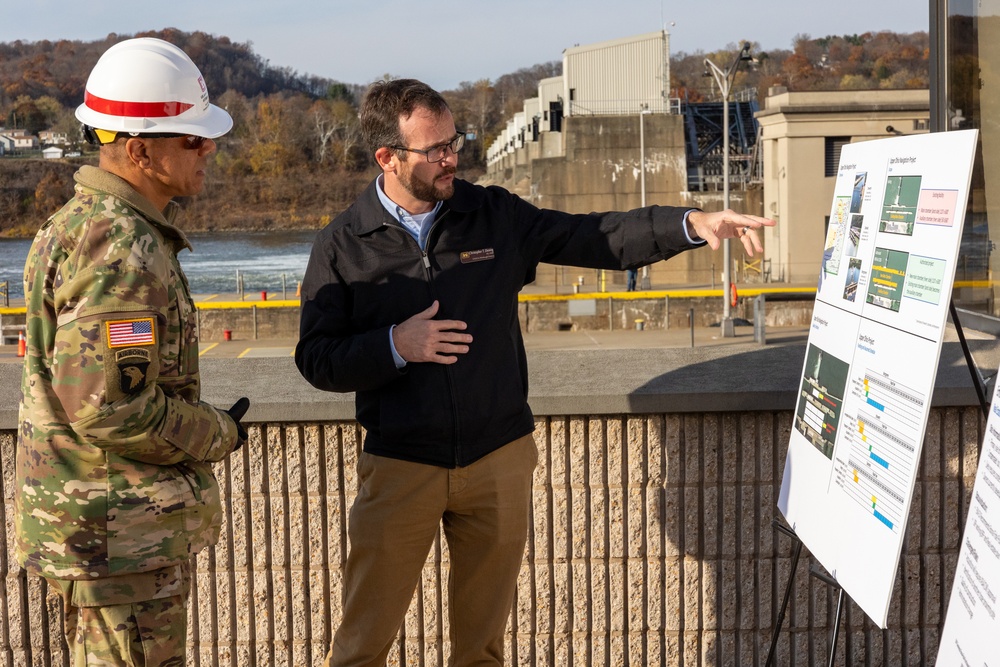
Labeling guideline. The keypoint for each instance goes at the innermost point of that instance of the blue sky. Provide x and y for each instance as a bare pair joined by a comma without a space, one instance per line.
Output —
445,42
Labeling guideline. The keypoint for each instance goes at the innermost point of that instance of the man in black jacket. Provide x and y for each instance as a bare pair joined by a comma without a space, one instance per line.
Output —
410,300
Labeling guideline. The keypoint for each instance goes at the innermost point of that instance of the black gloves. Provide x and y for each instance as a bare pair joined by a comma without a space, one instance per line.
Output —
239,409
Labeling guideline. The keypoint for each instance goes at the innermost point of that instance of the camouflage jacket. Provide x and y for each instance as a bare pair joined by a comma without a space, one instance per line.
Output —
114,444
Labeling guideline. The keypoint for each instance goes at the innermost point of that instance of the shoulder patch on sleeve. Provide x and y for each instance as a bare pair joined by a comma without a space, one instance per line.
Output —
130,333
133,369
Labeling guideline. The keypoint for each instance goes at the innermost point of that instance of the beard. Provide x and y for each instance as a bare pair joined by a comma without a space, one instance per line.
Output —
428,191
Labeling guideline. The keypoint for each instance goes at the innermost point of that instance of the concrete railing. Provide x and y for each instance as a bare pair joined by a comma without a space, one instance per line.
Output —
613,310
650,542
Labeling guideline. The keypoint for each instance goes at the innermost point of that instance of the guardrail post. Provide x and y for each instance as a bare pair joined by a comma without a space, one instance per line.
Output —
759,323
691,320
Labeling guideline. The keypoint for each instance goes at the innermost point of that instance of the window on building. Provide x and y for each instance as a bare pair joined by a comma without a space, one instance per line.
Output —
832,154
965,96
965,93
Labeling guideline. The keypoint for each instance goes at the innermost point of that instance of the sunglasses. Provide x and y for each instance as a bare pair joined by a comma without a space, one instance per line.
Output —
100,137
191,141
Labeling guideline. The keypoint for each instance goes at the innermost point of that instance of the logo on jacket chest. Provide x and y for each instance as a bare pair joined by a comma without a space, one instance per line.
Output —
482,255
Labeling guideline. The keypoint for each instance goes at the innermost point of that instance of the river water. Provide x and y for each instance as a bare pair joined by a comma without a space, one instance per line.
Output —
261,259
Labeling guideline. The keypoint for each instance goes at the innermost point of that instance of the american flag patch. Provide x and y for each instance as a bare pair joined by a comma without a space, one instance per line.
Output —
122,333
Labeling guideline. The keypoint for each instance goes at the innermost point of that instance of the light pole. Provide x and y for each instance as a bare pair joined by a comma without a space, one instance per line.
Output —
724,79
644,284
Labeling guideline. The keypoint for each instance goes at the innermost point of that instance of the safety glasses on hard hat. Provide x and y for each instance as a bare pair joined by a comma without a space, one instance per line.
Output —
98,137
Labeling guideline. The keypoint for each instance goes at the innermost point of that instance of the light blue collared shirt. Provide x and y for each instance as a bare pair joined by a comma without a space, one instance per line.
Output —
684,222
418,226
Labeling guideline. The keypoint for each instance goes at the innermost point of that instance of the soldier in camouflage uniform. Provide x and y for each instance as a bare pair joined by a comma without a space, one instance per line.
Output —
115,489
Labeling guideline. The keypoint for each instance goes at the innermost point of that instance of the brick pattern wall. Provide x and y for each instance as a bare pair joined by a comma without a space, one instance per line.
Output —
651,544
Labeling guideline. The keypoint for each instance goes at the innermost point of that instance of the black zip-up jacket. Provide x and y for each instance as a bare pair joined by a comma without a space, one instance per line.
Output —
367,273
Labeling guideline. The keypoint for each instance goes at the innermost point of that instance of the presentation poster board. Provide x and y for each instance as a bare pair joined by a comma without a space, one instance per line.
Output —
885,285
972,626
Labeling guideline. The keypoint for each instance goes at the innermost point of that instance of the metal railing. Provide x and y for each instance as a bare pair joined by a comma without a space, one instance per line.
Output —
624,107
262,283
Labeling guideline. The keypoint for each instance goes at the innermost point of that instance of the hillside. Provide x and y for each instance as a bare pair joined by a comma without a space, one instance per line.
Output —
836,62
32,190
294,159
59,70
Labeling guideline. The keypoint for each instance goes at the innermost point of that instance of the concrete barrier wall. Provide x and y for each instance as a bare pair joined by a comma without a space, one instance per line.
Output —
651,544
609,312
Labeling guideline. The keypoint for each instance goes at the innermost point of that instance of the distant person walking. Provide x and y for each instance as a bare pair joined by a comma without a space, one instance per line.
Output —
114,489
410,300
630,278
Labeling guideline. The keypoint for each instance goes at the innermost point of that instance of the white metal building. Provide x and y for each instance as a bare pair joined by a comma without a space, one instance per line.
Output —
618,77
533,118
550,97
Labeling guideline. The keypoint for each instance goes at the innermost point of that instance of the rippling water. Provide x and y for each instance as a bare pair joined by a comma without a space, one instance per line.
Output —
261,259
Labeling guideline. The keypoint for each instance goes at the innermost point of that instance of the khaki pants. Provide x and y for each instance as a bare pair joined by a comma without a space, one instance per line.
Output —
133,620
400,505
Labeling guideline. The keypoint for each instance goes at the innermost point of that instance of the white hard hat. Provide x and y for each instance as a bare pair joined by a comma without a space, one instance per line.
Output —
145,86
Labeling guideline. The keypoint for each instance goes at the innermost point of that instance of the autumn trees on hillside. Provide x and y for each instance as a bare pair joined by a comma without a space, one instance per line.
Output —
847,62
284,118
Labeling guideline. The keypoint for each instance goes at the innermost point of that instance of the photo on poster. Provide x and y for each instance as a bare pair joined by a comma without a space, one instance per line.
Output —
835,232
858,194
899,207
853,278
821,399
854,235
885,289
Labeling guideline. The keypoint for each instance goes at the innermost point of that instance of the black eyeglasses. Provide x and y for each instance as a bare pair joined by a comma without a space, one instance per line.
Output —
439,152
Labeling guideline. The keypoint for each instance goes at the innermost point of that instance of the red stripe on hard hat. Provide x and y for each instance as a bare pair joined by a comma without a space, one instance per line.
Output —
135,109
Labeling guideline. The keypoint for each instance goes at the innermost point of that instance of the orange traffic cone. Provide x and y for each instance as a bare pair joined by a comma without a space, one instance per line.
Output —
21,344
